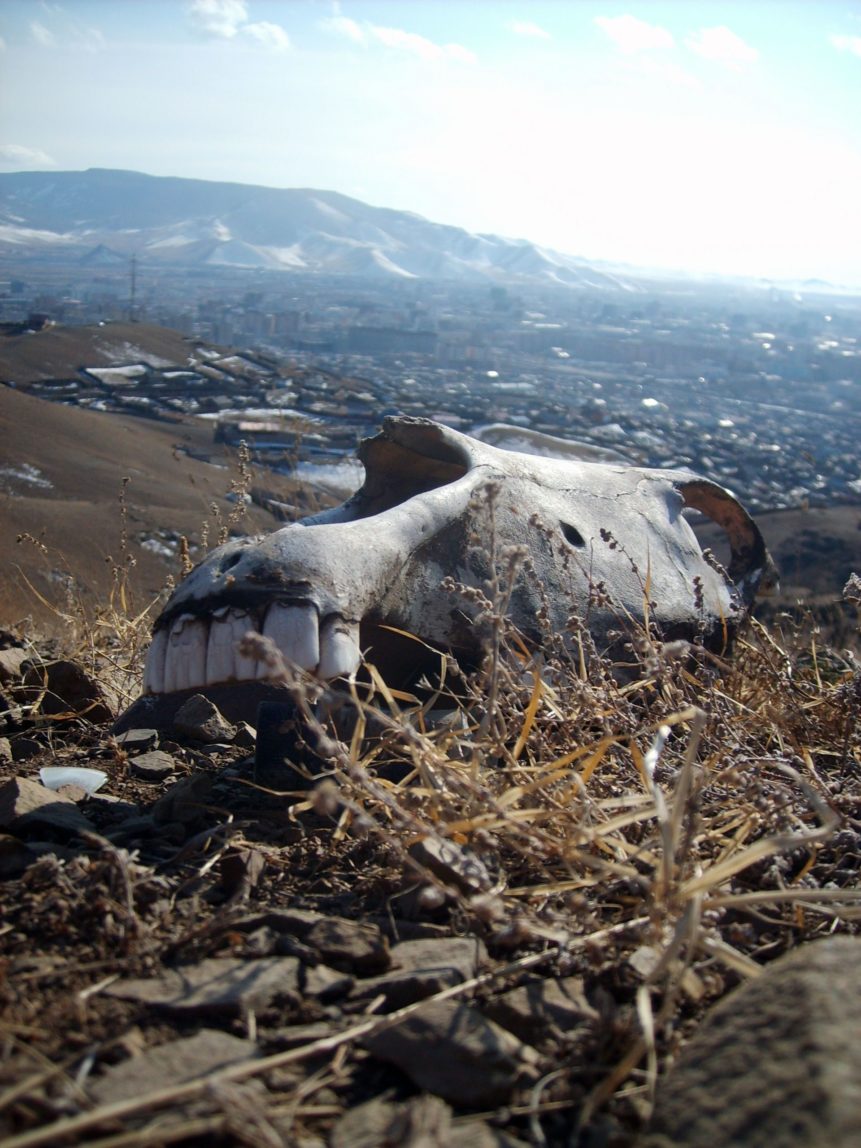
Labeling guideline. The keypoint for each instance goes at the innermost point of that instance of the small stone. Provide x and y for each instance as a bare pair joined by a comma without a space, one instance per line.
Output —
137,740
246,736
74,793
23,748
297,922
25,804
176,1062
326,984
451,1050
421,968
452,864
186,801
352,946
421,1122
199,720
67,687
153,766
241,871
542,1009
15,856
5,751
11,662
218,986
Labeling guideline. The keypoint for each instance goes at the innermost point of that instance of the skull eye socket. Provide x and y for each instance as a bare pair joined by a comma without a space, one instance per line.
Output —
572,534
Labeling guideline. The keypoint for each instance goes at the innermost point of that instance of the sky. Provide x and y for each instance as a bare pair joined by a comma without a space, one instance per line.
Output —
712,137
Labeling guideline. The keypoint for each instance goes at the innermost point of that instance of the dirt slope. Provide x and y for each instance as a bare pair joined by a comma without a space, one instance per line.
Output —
57,352
61,477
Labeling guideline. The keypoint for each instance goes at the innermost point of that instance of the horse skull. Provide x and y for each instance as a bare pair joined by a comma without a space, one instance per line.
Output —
608,543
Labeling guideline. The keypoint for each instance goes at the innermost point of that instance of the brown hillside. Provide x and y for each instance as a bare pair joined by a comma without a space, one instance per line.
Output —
57,352
815,550
61,476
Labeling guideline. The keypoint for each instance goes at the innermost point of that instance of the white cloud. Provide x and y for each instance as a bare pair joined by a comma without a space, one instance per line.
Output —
397,39
344,26
416,45
227,19
527,29
43,35
270,35
219,17
723,46
851,44
68,34
631,35
14,156
89,39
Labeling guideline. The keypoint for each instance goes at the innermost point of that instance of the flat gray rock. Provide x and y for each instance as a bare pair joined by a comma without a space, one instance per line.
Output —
777,1064
200,720
26,805
542,1009
137,740
176,1062
220,986
153,766
451,1050
65,686
11,662
186,801
351,946
452,864
421,1122
421,968
324,983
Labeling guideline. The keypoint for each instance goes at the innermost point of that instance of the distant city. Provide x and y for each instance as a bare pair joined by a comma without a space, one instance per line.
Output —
754,385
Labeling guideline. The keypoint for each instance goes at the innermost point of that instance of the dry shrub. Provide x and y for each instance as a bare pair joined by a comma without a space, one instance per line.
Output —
676,832
665,835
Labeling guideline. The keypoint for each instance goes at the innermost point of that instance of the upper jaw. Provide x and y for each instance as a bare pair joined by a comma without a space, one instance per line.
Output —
196,650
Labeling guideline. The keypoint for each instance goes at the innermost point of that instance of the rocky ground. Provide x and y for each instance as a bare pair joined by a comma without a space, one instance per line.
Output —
497,931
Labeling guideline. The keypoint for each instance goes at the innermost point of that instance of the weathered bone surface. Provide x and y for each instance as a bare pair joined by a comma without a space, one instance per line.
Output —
601,540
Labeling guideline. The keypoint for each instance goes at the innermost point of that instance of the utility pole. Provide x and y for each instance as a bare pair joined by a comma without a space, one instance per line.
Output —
133,292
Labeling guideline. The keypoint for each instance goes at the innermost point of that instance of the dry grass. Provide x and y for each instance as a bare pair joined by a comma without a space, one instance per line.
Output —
664,839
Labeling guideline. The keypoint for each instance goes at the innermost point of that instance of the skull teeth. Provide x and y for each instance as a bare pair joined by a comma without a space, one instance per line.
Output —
293,629
196,652
339,648
153,677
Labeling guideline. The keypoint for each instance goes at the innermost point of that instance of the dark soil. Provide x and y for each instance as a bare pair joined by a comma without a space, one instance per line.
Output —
199,906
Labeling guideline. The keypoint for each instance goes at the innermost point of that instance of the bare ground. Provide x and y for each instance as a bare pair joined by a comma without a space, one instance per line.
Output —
615,860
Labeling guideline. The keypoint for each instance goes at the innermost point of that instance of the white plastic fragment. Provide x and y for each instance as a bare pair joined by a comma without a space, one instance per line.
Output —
56,776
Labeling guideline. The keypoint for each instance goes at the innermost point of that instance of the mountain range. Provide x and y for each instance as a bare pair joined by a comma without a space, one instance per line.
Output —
101,216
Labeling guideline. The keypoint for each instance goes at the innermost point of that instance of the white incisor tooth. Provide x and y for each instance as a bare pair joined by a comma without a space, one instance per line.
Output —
241,622
185,662
153,676
221,650
340,655
293,629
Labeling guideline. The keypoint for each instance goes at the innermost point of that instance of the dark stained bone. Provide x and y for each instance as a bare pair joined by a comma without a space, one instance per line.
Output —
600,539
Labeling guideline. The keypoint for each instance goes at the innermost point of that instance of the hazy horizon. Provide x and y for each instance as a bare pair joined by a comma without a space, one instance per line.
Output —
711,138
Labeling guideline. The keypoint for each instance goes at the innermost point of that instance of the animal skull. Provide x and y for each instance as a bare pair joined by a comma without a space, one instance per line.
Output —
602,541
